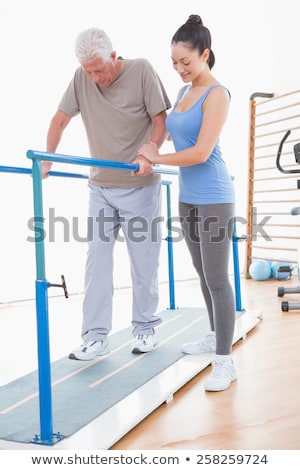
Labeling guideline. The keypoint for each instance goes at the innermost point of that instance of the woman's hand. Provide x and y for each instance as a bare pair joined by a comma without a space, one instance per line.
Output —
150,151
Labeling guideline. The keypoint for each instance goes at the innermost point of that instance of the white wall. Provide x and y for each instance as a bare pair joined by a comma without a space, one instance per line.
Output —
256,48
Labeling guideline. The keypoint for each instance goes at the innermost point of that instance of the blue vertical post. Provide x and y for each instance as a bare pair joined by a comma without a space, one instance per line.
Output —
170,247
236,270
44,371
38,219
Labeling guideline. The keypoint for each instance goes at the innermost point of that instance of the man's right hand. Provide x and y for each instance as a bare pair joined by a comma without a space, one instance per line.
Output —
46,167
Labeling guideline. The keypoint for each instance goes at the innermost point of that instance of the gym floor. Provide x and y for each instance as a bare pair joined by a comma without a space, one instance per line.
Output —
261,410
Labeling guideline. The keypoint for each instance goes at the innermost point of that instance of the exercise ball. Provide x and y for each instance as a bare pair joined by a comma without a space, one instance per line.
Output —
280,275
260,270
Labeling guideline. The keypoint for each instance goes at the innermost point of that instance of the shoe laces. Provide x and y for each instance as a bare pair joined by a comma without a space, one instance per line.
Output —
90,343
209,341
222,368
87,343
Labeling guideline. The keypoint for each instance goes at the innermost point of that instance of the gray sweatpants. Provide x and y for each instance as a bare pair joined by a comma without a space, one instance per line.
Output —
208,232
137,212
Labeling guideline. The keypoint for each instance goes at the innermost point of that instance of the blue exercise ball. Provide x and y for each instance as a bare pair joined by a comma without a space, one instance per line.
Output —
260,270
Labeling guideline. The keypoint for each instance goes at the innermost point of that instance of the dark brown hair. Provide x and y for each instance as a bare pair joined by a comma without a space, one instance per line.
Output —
194,33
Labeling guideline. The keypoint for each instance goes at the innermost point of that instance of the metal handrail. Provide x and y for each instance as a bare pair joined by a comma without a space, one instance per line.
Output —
87,161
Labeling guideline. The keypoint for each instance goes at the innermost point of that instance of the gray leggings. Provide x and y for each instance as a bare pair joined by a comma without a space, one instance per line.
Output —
208,230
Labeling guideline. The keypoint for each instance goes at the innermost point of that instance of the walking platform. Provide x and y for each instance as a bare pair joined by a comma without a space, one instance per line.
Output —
105,398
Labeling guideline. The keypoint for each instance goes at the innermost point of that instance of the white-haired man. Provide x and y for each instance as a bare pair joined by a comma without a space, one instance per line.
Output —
122,104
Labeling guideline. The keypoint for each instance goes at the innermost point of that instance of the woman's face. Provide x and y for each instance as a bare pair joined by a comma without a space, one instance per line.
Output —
187,62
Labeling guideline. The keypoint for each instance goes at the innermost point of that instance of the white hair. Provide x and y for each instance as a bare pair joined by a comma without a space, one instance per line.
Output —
91,44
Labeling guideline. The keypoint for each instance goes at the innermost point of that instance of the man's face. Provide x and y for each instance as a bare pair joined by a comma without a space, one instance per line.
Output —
102,73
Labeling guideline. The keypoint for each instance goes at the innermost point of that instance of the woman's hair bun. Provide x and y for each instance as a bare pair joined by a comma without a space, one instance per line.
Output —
194,19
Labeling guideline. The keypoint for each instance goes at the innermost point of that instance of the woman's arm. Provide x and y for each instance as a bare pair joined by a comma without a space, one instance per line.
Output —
215,111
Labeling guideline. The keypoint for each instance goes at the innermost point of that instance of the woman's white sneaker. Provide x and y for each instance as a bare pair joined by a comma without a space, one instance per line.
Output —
222,375
204,345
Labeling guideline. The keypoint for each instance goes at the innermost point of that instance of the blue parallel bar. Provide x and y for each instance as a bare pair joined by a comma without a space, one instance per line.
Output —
15,169
87,161
28,171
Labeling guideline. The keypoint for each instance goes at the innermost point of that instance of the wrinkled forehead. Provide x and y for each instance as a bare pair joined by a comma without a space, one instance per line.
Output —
94,65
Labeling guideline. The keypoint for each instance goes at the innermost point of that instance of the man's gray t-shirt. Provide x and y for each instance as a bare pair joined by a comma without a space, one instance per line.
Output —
117,119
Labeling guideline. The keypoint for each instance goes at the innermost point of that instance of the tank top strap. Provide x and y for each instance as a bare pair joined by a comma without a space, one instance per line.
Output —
216,85
180,95
202,97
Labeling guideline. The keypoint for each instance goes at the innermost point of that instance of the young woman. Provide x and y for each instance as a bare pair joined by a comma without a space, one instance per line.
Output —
206,194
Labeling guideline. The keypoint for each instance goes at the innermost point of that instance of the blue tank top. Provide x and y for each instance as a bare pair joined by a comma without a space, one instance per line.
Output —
203,183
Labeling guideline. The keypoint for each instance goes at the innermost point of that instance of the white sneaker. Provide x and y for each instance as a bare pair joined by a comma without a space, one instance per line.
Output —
89,350
222,375
206,344
142,344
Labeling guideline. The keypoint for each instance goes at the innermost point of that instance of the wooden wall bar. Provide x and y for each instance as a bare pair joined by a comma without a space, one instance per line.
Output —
274,233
